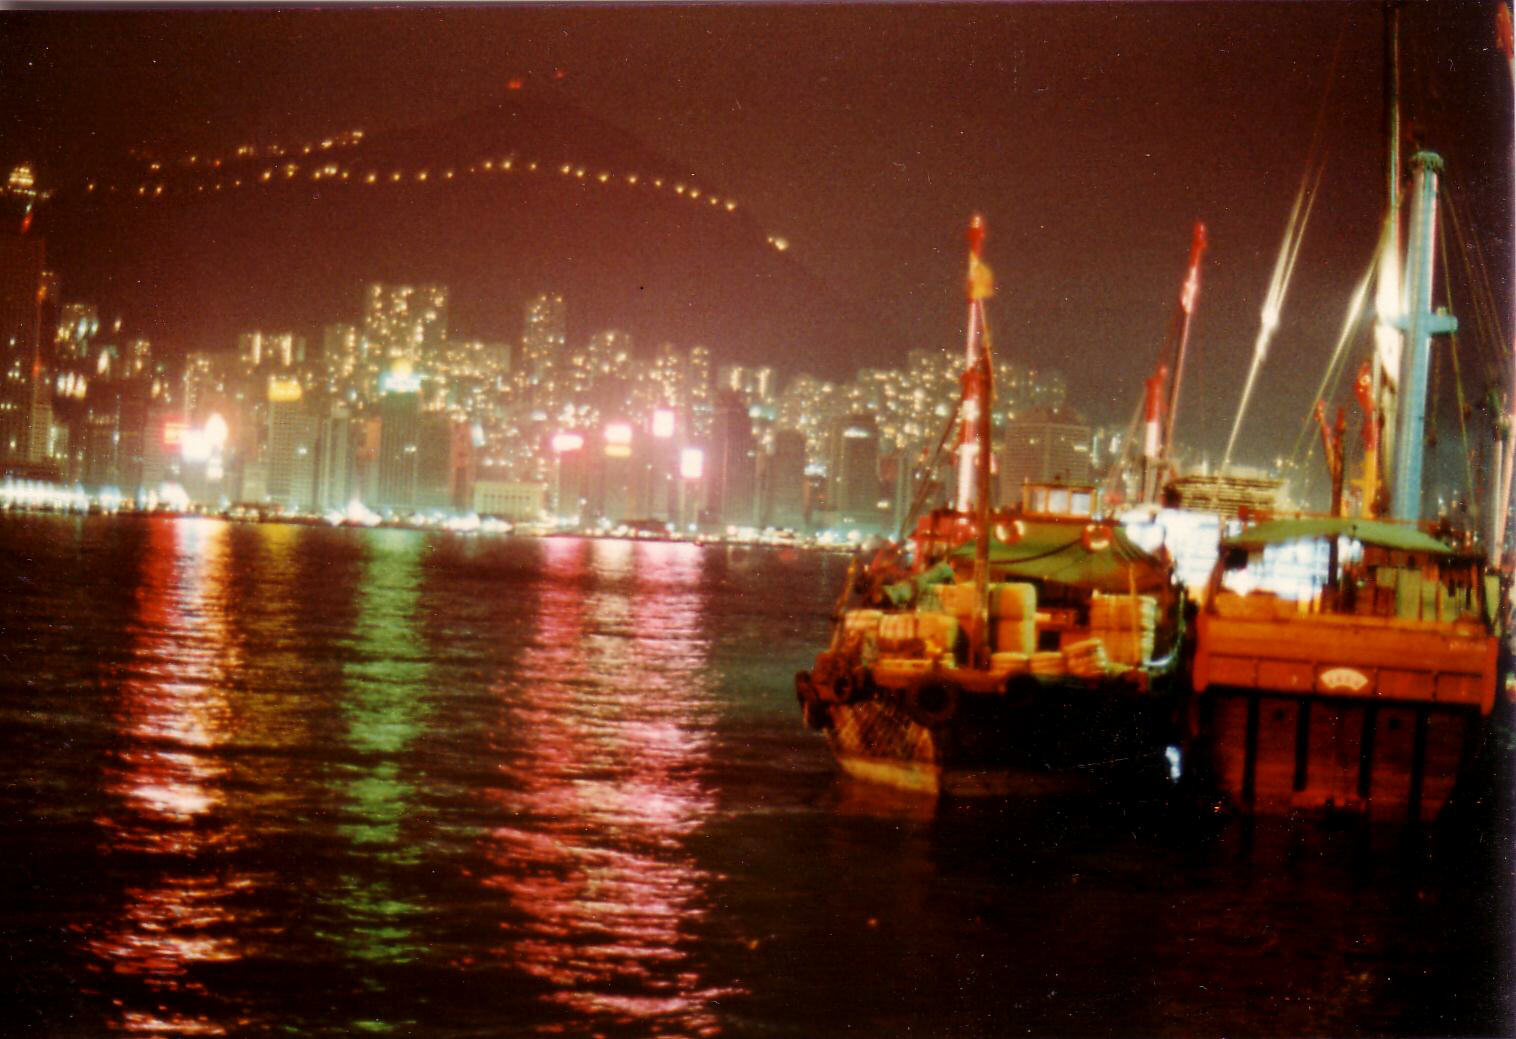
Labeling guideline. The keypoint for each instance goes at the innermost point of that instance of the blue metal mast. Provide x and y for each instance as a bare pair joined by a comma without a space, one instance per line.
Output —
1419,324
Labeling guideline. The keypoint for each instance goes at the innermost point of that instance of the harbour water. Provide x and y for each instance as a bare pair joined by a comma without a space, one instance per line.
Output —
268,779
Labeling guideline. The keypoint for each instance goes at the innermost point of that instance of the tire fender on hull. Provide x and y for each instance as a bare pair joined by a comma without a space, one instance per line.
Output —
932,702
817,714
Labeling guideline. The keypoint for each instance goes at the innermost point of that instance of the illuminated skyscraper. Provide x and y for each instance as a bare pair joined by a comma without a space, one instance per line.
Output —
598,375
404,322
755,384
732,464
854,471
1045,445
399,440
335,451
340,361
544,331
784,481
78,324
21,282
291,458
660,384
697,389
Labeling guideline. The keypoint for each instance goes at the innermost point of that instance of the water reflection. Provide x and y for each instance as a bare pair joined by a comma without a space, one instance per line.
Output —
603,741
384,705
322,781
168,780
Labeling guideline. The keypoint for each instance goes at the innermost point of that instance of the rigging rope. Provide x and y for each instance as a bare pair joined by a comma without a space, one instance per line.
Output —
1486,315
925,488
1279,285
1463,427
1289,250
1336,363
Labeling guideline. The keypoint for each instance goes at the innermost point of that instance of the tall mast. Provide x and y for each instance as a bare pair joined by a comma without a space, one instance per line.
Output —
1503,482
975,454
1187,296
1421,323
1387,338
976,402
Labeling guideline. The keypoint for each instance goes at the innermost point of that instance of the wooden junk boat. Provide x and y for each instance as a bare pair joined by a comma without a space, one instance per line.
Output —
1001,650
1360,684
1354,663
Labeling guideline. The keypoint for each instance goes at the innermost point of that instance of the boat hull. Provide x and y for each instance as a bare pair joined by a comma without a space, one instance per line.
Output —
1277,753
1379,716
968,737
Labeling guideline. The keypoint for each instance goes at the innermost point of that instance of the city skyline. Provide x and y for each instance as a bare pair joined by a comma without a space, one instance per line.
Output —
1091,137
605,155
386,407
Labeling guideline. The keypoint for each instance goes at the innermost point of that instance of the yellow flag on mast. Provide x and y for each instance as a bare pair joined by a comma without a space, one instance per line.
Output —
981,280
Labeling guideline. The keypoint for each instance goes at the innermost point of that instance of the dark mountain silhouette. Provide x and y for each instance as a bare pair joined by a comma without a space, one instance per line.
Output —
191,266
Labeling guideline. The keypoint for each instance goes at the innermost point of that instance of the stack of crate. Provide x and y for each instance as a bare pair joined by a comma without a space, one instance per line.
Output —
898,635
1013,619
938,633
1013,611
861,628
1048,664
1010,663
958,600
1125,624
1086,659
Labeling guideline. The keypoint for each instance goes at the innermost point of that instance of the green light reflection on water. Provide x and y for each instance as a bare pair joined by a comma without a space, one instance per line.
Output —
385,706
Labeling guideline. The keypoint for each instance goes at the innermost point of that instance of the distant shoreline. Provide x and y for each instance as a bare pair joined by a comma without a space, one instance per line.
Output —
535,531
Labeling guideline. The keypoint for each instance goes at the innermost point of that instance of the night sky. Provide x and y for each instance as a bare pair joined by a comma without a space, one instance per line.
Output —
1091,137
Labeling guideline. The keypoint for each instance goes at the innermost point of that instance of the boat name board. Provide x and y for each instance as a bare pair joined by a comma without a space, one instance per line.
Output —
1343,679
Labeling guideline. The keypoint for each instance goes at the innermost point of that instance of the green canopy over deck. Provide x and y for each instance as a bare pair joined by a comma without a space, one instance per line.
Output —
1379,533
1056,553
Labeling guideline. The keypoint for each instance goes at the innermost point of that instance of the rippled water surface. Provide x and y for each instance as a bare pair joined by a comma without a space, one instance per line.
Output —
287,779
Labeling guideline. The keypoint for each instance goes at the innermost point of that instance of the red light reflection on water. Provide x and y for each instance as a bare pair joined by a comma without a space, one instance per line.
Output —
173,714
171,709
606,737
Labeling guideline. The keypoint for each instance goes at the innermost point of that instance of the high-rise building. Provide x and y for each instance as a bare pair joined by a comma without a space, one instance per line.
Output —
544,331
137,358
335,454
291,455
341,362
270,350
21,295
435,468
755,384
78,324
731,464
613,487
399,440
662,383
1045,445
854,471
606,358
404,323
204,383
463,464
698,391
784,481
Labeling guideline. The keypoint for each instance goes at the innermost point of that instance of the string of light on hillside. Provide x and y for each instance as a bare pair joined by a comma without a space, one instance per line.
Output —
356,173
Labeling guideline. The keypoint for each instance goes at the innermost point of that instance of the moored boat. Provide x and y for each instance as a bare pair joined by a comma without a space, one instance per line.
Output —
1075,683
1001,650
1360,683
